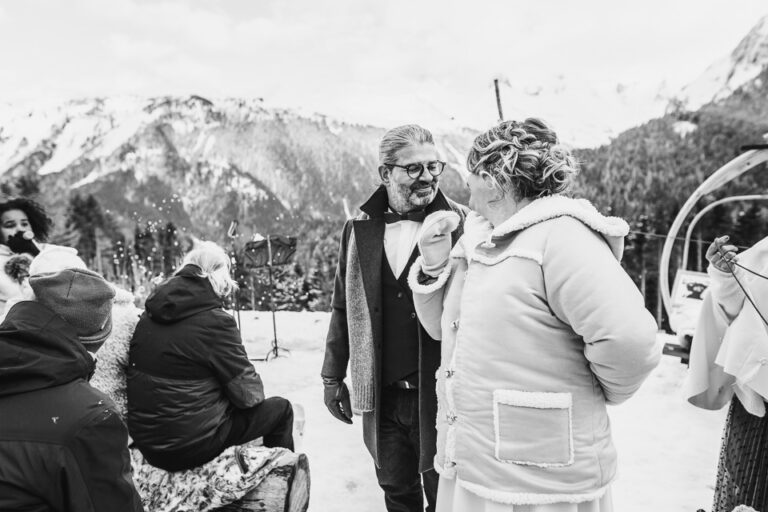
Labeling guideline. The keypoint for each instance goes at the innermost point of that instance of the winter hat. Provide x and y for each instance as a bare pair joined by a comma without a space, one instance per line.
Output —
54,258
82,297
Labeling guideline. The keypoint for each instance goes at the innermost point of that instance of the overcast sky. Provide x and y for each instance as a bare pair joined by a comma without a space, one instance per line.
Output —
375,61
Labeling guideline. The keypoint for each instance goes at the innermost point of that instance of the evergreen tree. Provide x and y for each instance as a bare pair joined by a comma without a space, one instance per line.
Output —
170,248
84,215
145,248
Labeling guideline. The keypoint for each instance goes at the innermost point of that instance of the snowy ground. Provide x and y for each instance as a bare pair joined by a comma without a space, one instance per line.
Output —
667,448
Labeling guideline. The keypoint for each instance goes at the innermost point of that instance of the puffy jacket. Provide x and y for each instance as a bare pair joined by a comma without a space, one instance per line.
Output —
63,446
540,329
187,368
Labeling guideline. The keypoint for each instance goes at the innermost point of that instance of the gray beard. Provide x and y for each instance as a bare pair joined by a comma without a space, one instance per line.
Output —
400,199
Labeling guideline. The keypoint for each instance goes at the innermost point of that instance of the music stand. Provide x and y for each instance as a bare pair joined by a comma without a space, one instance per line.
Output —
269,252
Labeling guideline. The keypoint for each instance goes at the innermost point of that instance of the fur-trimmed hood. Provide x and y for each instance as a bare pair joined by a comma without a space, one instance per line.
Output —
478,230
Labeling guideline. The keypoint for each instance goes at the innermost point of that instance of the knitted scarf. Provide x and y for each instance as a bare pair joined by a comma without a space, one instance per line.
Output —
360,334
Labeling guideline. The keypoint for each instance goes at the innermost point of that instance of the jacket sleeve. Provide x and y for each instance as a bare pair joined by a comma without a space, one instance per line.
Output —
707,385
726,291
428,298
104,465
589,290
337,340
230,364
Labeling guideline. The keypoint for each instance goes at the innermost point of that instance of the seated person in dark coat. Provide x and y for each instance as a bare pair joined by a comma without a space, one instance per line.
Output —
63,445
192,392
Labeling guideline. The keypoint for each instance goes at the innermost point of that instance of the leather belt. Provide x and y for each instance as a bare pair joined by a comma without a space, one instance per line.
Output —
403,384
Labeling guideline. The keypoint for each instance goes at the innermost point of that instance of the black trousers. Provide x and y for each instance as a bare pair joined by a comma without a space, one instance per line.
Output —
272,419
399,445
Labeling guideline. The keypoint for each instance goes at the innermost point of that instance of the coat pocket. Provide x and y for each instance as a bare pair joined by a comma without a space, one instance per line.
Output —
533,428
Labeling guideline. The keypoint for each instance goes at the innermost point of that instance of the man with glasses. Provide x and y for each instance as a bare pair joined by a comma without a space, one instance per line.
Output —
374,329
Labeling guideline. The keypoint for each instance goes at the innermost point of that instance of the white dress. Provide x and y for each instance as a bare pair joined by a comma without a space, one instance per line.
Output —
454,498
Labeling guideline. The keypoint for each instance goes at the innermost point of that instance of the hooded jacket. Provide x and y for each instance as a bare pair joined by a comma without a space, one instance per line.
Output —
540,329
63,446
187,369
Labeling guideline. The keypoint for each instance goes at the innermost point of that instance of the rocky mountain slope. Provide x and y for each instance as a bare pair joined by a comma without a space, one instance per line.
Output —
199,163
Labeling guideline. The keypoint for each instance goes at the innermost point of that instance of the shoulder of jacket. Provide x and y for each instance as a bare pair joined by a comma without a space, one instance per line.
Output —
222,316
561,232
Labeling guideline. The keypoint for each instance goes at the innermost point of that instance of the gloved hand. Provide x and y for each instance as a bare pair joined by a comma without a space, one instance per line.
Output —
22,242
435,240
336,396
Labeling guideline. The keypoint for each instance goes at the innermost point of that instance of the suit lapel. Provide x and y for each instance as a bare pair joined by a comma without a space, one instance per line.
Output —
369,237
403,277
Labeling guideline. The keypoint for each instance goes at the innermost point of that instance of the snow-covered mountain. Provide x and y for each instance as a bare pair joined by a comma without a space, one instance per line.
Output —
586,113
590,113
729,73
197,162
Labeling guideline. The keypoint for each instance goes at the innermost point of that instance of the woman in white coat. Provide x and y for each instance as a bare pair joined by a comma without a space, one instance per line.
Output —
540,329
729,356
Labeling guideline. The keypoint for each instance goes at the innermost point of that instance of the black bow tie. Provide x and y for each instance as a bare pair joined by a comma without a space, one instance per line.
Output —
416,216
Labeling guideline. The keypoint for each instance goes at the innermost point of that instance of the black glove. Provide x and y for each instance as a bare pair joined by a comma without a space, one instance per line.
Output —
19,244
336,396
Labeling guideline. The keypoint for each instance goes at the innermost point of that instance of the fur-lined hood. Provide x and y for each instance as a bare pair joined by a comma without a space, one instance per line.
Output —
478,230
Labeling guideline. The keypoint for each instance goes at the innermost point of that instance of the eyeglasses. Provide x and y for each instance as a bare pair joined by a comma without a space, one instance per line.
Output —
434,167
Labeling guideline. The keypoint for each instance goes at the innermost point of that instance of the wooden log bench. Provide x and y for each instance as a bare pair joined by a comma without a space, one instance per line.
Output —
285,489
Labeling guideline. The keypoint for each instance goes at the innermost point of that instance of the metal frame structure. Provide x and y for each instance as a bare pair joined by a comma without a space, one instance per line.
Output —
752,157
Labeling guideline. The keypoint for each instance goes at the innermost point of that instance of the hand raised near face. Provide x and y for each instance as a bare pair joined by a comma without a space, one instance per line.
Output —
435,240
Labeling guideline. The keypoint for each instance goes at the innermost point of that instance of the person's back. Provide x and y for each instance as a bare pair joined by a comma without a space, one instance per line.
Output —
180,346
63,446
189,377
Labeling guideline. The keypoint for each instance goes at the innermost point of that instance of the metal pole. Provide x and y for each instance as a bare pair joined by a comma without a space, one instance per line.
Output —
271,298
498,98
706,209
232,234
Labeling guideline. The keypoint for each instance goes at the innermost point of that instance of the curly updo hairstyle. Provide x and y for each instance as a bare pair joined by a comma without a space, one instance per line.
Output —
525,159
40,222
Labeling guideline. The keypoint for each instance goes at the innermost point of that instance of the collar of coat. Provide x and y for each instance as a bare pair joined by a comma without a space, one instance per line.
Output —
378,203
478,230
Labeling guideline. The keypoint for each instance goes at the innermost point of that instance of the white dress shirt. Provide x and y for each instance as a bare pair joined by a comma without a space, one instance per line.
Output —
399,240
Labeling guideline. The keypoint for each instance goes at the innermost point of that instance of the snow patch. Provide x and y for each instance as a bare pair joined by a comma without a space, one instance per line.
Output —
684,128
660,438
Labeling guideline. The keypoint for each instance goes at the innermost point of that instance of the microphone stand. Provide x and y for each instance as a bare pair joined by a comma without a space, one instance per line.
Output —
232,234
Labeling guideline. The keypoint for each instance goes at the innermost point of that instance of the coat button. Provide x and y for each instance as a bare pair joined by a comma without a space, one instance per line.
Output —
450,464
450,418
455,325
449,373
413,315
399,295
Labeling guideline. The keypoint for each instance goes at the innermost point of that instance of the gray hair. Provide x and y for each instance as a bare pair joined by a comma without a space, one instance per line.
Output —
401,137
214,264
